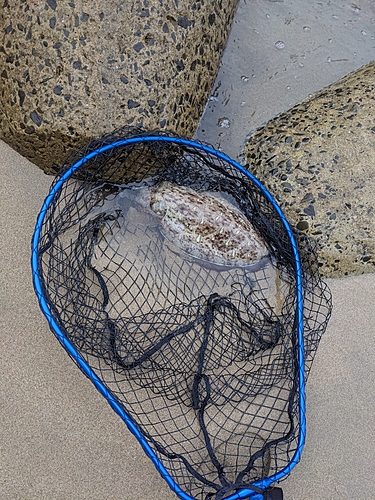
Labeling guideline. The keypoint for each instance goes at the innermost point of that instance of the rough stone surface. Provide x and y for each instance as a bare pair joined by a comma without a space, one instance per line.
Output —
318,160
73,70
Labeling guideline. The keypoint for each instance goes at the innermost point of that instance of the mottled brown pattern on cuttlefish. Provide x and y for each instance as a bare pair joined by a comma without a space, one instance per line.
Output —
206,227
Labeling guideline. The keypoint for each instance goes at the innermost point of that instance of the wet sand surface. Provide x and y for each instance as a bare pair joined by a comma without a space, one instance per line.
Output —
59,439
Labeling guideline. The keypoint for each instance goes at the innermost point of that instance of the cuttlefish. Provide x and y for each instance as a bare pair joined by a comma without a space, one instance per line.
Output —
206,226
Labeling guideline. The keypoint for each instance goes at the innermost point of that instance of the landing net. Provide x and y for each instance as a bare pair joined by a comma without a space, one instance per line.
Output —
200,349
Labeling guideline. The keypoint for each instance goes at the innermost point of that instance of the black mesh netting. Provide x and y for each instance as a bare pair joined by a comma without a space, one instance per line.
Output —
201,354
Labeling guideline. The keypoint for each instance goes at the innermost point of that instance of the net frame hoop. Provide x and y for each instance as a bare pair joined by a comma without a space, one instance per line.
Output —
263,484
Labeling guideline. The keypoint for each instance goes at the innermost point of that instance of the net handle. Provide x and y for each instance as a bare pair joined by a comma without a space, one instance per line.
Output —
114,403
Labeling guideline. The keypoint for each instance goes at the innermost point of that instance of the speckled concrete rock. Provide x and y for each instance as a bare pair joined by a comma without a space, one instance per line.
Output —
73,70
318,159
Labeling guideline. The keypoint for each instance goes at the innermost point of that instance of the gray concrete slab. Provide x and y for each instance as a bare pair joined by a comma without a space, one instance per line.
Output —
279,52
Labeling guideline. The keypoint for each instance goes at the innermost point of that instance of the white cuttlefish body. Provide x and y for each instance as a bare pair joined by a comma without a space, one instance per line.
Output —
206,226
